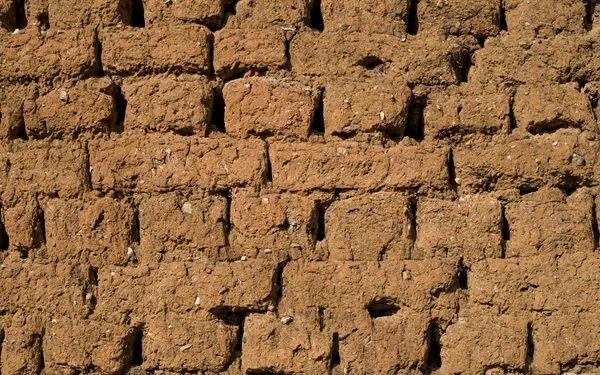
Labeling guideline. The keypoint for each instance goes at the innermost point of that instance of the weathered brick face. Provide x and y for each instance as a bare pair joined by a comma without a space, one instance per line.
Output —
327,187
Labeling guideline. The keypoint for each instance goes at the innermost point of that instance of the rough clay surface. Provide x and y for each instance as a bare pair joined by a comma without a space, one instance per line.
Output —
318,187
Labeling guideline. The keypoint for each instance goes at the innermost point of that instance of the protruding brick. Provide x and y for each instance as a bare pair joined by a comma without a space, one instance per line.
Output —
547,108
273,226
354,107
269,107
88,107
182,104
350,165
252,14
470,228
173,49
65,14
238,51
22,345
548,222
370,227
162,162
541,19
174,227
376,17
99,231
206,12
480,18
24,224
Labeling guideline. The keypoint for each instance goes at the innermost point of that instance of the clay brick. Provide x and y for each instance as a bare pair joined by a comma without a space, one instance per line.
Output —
221,287
264,13
370,227
206,12
484,340
22,346
187,343
28,55
541,19
182,104
24,224
480,18
269,107
65,14
354,107
429,61
237,51
54,289
525,162
381,17
53,168
174,227
84,344
297,347
548,222
349,165
352,285
562,342
470,228
173,49
8,15
452,114
12,124
66,112
547,108
97,231
158,163
285,224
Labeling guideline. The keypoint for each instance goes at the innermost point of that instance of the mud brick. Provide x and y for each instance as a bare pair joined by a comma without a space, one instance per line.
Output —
376,105
291,348
174,49
548,222
182,104
187,343
350,165
12,124
453,113
526,162
377,17
428,61
264,13
65,14
284,224
480,18
24,224
28,55
269,107
22,345
484,340
162,162
53,289
470,228
175,227
81,344
8,15
370,227
97,231
360,284
540,19
547,108
238,51
562,341
54,168
206,12
66,112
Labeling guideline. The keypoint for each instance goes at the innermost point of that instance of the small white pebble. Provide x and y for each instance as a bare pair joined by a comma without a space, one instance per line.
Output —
129,251
265,200
406,275
187,208
88,296
64,96
197,302
287,320
342,151
185,347
382,116
16,31
244,258
268,251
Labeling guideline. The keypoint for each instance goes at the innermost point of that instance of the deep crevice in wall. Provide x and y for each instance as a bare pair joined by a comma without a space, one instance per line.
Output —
382,307
503,25
466,68
321,317
93,275
277,283
415,123
505,231
135,228
218,112
463,275
318,122
43,20
595,228
412,24
590,8
21,22
316,16
370,62
230,7
39,229
137,358
137,14
530,347
269,168
434,349
121,106
452,171
320,236
4,240
335,351
512,119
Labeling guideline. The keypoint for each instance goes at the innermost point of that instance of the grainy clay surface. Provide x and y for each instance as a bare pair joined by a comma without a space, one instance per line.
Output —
319,187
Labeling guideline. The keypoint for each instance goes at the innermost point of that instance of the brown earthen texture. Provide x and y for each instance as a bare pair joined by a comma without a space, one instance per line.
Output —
286,187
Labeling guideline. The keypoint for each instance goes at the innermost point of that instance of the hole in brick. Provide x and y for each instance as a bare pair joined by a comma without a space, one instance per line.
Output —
269,168
335,351
121,104
412,205
136,229
137,14
218,112
415,124
434,349
466,67
316,16
481,42
505,226
232,318
318,122
288,56
43,20
590,7
93,275
321,314
382,307
503,25
413,18
38,343
463,276
138,357
98,55
524,190
277,283
230,7
321,224
452,171
21,14
530,346
512,119
39,230
4,242
595,225
370,62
